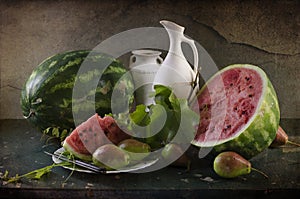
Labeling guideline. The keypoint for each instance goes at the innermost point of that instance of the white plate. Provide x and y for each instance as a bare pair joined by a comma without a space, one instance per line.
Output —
142,165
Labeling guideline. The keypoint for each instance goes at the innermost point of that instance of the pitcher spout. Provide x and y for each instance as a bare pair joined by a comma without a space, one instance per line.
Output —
169,25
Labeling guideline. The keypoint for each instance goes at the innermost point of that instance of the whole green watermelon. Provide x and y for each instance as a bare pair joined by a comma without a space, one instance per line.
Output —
47,101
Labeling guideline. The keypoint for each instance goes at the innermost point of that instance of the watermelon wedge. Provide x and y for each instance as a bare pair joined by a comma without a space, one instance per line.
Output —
92,134
239,111
112,130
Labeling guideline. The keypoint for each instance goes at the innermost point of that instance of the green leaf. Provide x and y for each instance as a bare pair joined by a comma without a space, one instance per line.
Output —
162,94
140,116
168,116
36,174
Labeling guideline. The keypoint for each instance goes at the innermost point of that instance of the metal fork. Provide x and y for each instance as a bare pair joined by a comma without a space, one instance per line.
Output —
78,163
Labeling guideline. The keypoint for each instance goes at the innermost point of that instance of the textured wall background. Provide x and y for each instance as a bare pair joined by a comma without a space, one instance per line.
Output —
264,33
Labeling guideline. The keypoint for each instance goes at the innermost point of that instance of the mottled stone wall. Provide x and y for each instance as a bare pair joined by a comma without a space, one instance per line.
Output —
264,33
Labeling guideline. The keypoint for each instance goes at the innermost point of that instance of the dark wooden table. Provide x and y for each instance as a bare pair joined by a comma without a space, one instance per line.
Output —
22,149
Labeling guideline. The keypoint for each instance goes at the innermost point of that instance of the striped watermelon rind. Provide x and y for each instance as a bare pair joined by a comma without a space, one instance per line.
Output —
260,130
71,150
46,98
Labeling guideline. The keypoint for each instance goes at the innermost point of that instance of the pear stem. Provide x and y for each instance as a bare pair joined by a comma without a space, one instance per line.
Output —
293,143
262,173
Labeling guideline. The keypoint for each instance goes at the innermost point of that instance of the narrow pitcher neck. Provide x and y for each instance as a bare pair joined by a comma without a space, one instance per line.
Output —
175,33
175,42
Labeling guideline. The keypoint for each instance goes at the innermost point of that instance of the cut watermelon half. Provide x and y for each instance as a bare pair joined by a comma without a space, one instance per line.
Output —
239,111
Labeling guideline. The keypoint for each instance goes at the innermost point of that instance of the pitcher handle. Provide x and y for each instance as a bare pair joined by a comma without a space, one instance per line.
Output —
195,52
159,60
131,60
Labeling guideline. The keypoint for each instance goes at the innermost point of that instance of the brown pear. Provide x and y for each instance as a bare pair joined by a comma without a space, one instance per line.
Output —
281,139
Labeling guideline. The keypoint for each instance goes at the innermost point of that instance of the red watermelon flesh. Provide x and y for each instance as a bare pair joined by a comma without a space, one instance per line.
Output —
227,103
92,134
112,130
75,142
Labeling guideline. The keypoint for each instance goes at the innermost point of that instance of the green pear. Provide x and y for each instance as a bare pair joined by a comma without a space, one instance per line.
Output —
111,157
173,151
230,165
136,150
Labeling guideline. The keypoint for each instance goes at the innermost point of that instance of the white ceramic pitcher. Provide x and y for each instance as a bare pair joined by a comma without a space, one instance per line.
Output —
144,65
175,71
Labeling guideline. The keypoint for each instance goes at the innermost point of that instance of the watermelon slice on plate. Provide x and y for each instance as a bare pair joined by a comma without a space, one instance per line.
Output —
239,111
92,134
112,130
